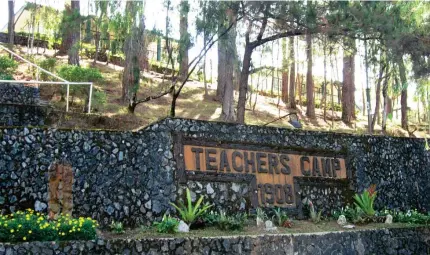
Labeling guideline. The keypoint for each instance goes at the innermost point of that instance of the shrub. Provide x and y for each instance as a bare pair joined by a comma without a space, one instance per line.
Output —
365,200
210,219
191,212
280,217
30,226
232,223
117,227
80,74
354,215
7,65
411,216
167,225
49,65
261,214
314,214
4,76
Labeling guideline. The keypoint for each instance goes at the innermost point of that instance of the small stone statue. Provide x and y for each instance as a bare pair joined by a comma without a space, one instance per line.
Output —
341,220
269,226
388,219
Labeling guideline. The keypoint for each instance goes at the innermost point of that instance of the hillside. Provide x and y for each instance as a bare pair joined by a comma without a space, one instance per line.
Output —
191,104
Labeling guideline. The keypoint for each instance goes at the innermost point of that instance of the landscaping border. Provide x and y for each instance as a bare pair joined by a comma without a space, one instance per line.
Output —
376,241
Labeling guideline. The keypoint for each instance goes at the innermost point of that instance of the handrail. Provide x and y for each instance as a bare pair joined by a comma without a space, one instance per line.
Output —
46,82
64,82
32,64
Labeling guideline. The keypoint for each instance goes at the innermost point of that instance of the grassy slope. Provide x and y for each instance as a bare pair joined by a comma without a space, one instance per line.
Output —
191,104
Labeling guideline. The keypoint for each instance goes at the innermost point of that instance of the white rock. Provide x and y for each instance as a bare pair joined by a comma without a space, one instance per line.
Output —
235,187
269,226
183,227
39,206
349,226
341,220
388,219
260,222
209,189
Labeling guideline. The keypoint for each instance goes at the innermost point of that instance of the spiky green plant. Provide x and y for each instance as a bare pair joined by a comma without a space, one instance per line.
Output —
191,212
365,200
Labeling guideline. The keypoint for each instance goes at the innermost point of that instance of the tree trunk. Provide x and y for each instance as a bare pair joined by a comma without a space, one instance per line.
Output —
243,86
378,95
369,116
292,94
324,100
284,94
142,50
204,66
386,104
404,94
184,40
310,105
96,41
33,25
227,45
348,88
131,74
11,23
75,34
221,71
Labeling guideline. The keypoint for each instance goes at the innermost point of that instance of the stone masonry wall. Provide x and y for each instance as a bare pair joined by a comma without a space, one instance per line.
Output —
19,106
383,241
19,94
131,176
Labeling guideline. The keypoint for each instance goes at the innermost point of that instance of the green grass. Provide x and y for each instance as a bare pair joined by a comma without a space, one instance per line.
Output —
299,227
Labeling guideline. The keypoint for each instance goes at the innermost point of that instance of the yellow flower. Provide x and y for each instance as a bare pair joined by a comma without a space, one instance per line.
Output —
24,238
29,231
12,230
19,226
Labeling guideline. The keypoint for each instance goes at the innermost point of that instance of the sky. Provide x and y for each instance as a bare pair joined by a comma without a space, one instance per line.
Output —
155,18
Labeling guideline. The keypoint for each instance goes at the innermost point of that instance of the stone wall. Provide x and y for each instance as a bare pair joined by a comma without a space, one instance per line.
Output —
19,94
20,106
131,176
23,40
383,241
22,115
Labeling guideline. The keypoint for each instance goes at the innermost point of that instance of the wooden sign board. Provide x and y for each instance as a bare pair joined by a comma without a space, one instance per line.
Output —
274,172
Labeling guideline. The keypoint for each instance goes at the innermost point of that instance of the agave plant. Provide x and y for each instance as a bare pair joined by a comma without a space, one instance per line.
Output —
189,213
365,200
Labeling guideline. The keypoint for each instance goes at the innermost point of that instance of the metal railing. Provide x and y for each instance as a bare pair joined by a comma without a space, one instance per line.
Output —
63,81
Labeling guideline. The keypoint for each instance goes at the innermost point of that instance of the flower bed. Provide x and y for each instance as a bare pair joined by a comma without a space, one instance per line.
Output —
33,226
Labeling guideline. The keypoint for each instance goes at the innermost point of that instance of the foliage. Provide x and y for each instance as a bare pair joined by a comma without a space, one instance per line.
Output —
80,74
99,99
365,200
232,223
261,214
354,215
314,214
31,226
210,219
117,227
48,64
6,77
191,212
167,225
279,217
411,216
7,65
